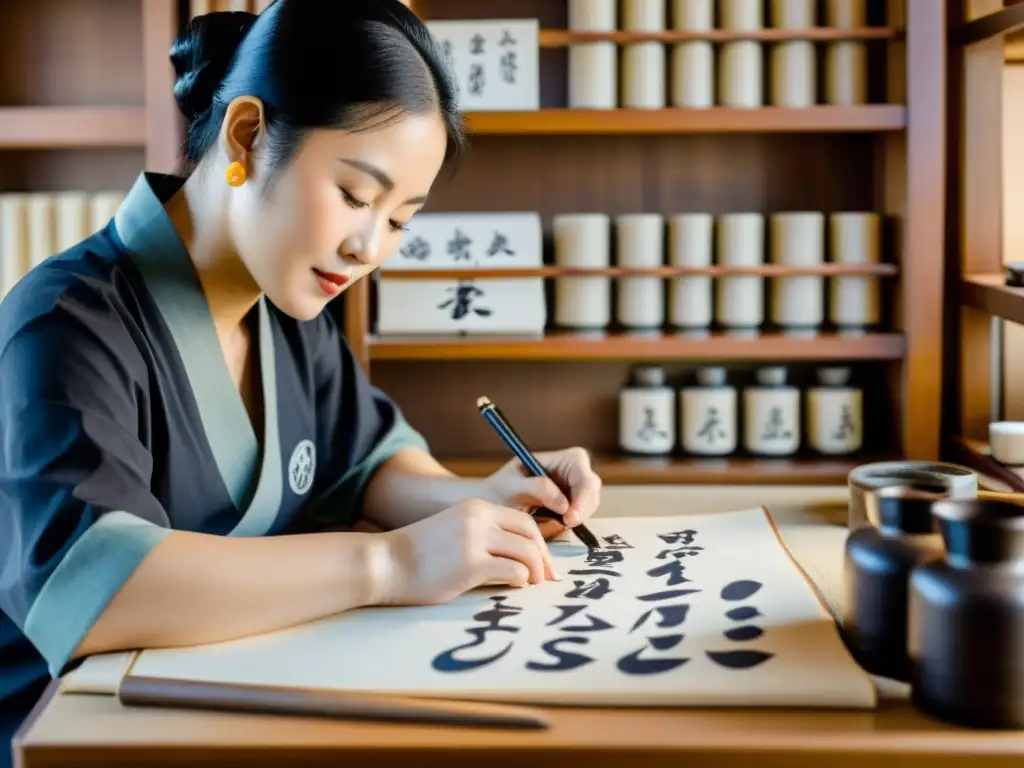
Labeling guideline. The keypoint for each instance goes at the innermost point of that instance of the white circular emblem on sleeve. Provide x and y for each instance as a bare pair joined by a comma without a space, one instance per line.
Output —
302,467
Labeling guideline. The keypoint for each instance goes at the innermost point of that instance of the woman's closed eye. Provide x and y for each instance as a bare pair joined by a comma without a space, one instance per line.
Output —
359,204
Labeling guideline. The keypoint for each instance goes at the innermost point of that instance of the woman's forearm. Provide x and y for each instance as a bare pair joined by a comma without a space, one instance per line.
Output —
413,485
195,588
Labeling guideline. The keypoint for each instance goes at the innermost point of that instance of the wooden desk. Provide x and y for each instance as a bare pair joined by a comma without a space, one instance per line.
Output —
91,730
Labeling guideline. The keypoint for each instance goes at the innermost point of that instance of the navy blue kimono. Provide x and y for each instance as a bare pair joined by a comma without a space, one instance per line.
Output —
119,421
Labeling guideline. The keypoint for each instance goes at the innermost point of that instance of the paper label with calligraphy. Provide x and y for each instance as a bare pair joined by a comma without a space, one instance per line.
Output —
693,610
495,62
439,307
470,241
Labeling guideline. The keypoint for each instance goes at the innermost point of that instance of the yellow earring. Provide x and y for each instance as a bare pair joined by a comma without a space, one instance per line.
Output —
235,174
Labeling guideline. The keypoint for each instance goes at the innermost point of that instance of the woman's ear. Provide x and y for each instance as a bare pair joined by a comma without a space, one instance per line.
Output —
242,127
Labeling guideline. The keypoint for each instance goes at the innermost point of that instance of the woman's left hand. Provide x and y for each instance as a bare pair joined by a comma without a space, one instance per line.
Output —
570,469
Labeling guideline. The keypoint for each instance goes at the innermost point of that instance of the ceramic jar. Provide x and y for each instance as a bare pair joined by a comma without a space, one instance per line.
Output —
966,617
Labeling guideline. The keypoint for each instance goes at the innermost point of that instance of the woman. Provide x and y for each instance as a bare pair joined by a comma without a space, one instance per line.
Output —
175,396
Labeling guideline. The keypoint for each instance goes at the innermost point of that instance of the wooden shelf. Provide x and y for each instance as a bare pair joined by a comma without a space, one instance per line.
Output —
560,38
71,127
765,270
566,347
551,122
616,470
990,294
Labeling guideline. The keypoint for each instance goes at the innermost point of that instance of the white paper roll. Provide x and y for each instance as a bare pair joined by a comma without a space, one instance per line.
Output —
643,75
693,14
592,15
741,15
641,243
855,238
846,72
42,241
741,74
593,76
582,240
794,74
102,207
693,75
690,244
14,256
643,15
846,14
71,215
794,14
798,240
741,244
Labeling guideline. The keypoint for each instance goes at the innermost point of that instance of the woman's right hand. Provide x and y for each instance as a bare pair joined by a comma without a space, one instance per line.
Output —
470,544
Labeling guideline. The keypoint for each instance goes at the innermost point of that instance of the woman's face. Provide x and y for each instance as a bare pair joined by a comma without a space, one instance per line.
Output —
337,211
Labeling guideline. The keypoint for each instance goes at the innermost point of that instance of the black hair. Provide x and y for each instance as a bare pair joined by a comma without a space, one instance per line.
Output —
346,64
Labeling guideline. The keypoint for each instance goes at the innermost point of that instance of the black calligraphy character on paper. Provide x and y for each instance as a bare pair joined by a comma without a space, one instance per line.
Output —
458,246
509,67
448,50
712,429
508,62
594,623
636,664
649,430
737,591
775,429
678,552
846,428
669,616
462,302
476,79
592,590
476,44
566,660
499,245
673,569
615,541
417,248
600,559
451,661
679,537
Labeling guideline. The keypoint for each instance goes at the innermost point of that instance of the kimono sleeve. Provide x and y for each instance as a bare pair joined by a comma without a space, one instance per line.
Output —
360,430
76,513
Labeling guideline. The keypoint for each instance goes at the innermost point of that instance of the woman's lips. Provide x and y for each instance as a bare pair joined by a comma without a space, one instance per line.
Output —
331,283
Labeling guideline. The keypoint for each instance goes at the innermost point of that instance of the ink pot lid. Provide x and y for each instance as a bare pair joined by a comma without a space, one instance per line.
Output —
771,376
713,376
648,376
833,376
981,532
905,509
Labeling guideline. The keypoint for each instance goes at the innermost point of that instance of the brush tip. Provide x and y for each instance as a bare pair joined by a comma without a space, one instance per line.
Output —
482,402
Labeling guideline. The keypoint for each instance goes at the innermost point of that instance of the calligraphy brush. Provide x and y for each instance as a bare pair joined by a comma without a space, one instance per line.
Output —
497,420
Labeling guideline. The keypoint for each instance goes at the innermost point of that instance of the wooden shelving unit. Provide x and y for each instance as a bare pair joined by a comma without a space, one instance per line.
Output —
77,112
984,36
558,347
71,127
886,156
636,122
95,114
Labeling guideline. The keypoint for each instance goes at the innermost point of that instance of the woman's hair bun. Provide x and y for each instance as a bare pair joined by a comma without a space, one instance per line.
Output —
201,56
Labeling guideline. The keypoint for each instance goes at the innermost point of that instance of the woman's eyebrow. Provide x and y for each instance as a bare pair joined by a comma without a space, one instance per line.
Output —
382,178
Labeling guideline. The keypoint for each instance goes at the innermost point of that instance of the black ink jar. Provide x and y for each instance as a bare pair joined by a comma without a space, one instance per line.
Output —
901,533
967,618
